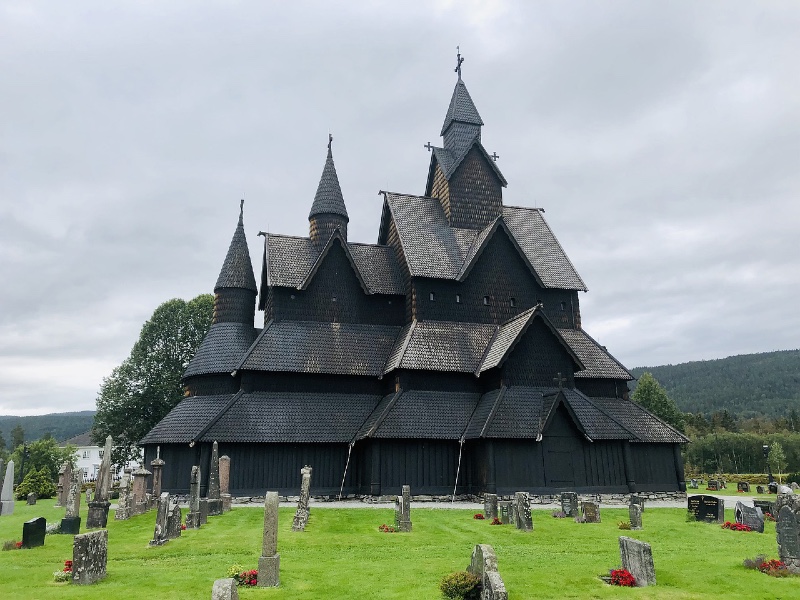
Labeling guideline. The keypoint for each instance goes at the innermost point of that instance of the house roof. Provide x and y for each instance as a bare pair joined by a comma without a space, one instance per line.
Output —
237,270
328,199
596,359
80,440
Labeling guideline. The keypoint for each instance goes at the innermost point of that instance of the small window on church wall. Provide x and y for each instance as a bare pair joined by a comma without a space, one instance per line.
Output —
458,298
292,296
563,306
513,302
486,300
432,296
333,299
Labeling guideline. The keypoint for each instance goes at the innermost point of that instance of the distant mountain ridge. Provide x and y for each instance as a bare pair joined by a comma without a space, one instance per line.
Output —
746,385
61,426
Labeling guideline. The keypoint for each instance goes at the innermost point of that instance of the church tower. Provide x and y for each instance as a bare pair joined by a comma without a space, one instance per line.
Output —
462,175
235,291
328,211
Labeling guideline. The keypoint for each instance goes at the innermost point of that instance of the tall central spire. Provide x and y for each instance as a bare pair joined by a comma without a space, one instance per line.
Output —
328,211
462,123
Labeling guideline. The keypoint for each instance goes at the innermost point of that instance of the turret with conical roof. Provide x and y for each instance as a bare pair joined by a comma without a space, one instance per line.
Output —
235,291
328,211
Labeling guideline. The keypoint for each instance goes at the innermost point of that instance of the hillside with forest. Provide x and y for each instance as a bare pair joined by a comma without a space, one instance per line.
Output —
747,386
60,426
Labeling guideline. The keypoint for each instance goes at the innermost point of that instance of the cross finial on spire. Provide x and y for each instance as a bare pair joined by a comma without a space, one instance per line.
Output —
428,146
241,210
330,140
460,60
494,156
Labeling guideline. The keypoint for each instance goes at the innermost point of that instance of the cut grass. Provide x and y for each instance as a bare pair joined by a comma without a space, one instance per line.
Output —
343,555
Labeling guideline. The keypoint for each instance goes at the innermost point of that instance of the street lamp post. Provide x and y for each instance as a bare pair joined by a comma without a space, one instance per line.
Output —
770,478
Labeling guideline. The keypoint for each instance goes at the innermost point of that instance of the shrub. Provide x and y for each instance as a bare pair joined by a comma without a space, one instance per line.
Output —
460,585
12,545
754,563
623,525
37,482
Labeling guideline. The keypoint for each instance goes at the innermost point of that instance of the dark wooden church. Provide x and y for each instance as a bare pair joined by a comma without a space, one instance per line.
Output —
448,356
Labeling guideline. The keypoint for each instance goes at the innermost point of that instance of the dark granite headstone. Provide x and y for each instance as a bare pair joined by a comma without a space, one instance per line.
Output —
504,511
590,512
89,557
569,504
33,532
743,486
637,558
707,508
750,516
760,489
766,507
713,485
70,525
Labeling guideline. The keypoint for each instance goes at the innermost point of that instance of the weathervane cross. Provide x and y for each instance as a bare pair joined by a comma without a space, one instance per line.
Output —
494,156
560,381
428,146
460,60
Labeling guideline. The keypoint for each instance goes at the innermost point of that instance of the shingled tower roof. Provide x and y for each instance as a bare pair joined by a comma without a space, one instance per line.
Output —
237,270
462,109
328,200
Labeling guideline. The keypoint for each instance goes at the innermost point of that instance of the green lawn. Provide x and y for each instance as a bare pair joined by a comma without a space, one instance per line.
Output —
342,555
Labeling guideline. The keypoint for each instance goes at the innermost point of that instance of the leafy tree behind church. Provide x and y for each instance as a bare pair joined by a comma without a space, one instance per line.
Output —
147,385
652,396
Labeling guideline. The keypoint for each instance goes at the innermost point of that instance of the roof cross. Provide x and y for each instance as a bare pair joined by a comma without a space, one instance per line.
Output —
494,156
330,140
460,60
428,146
560,381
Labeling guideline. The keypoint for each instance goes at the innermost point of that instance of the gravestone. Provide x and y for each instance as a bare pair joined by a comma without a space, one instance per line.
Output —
637,558
224,589
484,566
7,491
2,473
31,499
635,516
635,499
402,510
214,498
301,514
795,486
750,516
174,523
193,518
89,557
785,489
590,512
766,507
569,504
33,532
522,512
203,511
157,464
162,515
760,489
64,477
706,508
693,484
224,482
772,487
743,486
123,511
139,504
270,561
98,507
490,506
713,485
71,523
788,534
504,511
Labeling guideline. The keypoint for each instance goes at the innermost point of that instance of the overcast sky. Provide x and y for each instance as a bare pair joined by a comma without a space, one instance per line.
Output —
662,139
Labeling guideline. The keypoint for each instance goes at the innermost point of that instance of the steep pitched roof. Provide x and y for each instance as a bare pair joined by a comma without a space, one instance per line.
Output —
328,199
290,260
237,270
315,347
222,349
644,425
434,249
461,109
187,421
597,361
450,158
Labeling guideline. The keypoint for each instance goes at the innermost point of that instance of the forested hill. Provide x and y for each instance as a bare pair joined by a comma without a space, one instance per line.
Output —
61,426
747,385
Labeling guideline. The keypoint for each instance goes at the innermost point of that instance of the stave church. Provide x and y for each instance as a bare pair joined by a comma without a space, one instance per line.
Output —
449,356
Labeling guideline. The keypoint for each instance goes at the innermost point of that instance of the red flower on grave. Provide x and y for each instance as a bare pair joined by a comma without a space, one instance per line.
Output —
183,527
18,544
622,577
67,566
478,516
496,521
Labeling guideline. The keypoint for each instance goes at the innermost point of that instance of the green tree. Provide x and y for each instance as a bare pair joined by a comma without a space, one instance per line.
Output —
652,396
17,436
777,459
42,454
38,482
147,385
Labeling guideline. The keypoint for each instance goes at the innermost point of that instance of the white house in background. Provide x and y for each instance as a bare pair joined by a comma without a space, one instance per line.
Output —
89,456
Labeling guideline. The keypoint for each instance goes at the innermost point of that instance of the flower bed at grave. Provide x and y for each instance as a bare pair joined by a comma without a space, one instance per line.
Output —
622,577
242,575
772,567
478,516
559,514
12,545
769,517
735,526
386,528
64,574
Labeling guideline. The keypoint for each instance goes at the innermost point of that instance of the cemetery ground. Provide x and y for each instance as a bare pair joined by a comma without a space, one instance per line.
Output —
342,554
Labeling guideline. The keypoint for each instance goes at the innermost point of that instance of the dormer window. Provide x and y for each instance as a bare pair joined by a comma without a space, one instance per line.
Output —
432,296
458,298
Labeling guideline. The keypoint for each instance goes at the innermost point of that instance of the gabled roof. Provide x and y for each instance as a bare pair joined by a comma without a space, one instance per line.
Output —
237,270
315,347
335,238
222,349
290,260
449,159
595,423
328,199
461,108
434,249
598,363
187,421
645,426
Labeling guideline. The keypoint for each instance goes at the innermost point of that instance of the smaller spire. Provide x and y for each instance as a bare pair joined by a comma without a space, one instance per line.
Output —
237,270
328,199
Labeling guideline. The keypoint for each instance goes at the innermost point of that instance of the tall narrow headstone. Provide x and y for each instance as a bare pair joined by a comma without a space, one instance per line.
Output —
193,518
635,515
157,464
174,523
139,491
484,566
402,510
635,499
89,557
71,523
522,504
203,511
788,534
225,482
490,506
64,477
214,491
637,558
569,504
270,561
33,532
7,492
301,514
123,511
504,511
98,506
162,515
